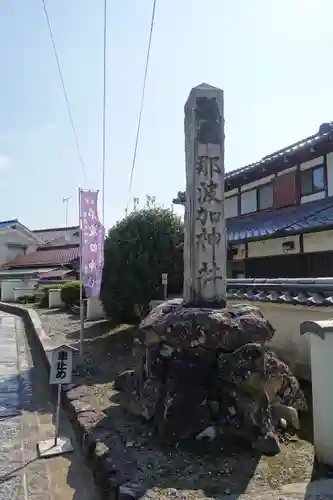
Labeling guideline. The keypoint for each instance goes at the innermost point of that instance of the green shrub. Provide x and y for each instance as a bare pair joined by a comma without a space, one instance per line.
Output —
27,298
43,293
138,249
70,293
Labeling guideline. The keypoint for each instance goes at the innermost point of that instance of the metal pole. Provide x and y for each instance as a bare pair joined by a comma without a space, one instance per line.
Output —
66,214
81,319
57,417
104,111
65,201
165,291
81,286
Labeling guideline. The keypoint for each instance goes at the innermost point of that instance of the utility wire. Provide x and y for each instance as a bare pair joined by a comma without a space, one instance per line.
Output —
64,90
142,103
104,114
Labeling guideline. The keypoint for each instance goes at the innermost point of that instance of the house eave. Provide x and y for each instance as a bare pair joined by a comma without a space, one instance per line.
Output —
29,234
304,150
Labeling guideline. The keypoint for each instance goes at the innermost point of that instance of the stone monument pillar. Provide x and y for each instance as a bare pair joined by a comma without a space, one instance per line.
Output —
202,371
205,244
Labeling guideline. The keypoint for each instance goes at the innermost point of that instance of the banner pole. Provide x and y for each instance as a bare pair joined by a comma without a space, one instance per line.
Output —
56,435
81,285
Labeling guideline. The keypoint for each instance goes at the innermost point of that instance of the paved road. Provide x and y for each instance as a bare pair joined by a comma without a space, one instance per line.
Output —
26,418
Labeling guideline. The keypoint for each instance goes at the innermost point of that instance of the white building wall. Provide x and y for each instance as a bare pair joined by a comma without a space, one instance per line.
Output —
259,182
9,288
318,242
14,237
311,163
268,248
313,197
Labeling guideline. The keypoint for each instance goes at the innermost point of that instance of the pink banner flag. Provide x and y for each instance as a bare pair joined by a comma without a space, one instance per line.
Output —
92,244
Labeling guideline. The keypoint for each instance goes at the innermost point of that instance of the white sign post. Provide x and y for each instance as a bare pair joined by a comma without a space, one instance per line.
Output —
61,367
165,284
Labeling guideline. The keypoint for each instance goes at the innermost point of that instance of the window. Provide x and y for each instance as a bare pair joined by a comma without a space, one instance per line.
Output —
265,196
312,180
249,201
318,179
15,251
231,207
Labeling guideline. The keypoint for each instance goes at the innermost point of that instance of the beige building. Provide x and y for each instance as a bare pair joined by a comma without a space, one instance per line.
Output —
279,212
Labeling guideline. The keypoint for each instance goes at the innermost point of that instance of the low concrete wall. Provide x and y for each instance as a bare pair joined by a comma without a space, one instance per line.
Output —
293,348
55,298
95,309
19,292
7,289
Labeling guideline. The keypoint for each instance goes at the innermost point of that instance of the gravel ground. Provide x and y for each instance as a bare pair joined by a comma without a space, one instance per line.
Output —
203,473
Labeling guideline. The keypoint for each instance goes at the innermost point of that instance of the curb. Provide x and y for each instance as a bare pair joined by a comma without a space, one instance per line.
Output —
83,416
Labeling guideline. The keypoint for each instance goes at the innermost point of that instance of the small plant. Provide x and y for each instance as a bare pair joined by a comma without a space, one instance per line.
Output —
70,293
27,298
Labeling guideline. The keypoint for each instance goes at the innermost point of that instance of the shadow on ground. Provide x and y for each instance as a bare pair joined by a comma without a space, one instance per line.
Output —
32,402
93,330
78,477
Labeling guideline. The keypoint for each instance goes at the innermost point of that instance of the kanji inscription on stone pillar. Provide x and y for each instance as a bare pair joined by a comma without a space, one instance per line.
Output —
205,244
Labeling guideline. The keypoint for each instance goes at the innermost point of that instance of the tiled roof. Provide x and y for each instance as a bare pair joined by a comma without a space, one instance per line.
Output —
290,220
47,256
324,133
293,291
15,224
6,223
49,235
55,273
22,272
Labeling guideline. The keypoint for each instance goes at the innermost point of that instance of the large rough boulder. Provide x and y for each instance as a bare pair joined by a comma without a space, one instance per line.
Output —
182,327
200,373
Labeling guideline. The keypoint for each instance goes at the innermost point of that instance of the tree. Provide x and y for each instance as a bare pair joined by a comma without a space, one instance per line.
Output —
138,249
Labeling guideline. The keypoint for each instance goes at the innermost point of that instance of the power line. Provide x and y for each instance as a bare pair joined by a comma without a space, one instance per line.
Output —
142,102
64,90
104,114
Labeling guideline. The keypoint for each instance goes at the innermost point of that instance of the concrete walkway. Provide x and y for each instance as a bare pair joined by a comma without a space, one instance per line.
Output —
26,418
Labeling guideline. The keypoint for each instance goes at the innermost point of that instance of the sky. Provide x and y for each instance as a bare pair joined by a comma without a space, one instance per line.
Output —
271,58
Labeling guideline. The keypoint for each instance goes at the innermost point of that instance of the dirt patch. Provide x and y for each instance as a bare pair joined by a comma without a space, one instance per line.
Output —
192,472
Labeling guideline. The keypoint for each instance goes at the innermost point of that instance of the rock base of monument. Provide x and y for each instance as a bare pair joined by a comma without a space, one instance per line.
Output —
205,373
